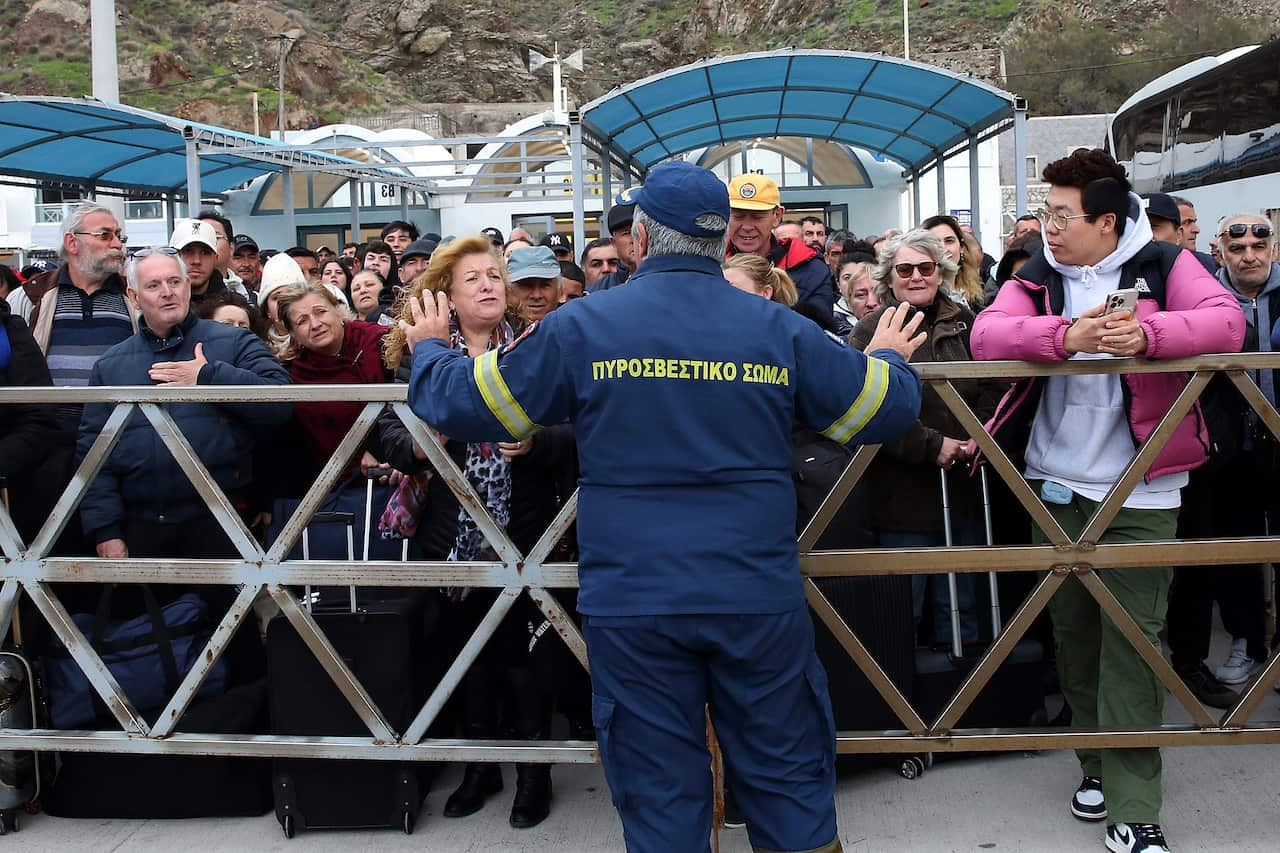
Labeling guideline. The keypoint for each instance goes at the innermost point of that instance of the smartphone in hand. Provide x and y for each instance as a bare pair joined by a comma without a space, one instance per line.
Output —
1122,300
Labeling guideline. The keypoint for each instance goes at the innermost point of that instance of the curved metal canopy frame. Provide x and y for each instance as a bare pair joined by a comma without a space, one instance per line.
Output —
907,111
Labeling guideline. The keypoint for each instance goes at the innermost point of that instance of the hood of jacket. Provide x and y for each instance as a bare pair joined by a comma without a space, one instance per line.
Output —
1137,234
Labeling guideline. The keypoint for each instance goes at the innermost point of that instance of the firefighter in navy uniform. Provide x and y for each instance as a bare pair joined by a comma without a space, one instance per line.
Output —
683,392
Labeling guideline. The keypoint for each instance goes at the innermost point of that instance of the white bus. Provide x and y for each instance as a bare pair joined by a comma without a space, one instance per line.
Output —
1208,131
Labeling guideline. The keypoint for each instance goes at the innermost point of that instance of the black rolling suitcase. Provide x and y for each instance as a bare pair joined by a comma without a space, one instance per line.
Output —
1015,695
382,639
876,608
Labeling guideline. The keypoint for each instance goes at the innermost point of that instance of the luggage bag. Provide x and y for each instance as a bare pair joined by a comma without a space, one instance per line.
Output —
1015,695
382,639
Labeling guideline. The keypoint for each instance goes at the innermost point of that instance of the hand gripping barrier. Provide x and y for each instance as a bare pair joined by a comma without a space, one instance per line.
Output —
257,573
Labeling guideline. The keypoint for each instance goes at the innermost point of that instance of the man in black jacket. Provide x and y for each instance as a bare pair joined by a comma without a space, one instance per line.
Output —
26,430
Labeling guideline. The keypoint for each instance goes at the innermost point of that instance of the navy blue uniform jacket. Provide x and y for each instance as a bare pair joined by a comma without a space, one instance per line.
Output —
141,473
683,392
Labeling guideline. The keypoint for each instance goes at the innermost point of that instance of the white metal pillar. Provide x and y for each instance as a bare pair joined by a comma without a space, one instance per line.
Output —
169,204
354,193
606,183
193,178
940,170
102,37
975,187
404,204
286,185
916,218
1020,155
576,157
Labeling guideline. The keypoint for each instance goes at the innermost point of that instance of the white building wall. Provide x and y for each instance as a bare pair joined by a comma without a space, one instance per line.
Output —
956,173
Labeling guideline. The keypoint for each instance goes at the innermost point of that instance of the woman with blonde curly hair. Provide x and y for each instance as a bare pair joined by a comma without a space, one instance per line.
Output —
967,287
517,481
758,275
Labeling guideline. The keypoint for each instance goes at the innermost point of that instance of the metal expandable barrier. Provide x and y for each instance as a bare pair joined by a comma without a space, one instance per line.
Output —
29,568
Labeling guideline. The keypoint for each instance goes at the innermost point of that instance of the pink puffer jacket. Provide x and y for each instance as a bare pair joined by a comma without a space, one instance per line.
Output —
1199,317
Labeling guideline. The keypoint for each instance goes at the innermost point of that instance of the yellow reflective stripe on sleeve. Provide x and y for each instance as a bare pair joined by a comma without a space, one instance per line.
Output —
497,396
874,386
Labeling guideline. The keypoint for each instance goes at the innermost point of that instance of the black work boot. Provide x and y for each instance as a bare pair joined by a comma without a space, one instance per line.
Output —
478,782
533,795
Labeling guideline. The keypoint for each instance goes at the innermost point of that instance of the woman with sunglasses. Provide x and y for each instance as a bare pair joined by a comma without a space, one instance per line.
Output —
914,269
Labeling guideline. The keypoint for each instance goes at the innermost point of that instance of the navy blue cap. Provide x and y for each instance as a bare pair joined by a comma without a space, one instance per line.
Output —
677,193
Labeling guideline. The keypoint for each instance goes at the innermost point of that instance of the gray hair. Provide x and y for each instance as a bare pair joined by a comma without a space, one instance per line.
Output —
920,240
668,241
840,237
74,221
131,267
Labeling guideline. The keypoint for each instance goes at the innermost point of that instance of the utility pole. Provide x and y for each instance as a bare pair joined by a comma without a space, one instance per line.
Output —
106,74
906,30
286,44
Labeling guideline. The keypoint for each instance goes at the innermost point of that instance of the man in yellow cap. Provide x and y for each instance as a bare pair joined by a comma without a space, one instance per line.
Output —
755,209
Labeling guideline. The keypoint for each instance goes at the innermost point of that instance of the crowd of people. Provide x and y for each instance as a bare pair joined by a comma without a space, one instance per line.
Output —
213,308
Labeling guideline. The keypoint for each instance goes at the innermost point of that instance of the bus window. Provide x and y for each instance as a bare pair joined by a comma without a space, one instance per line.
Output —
1252,116
1140,146
1197,138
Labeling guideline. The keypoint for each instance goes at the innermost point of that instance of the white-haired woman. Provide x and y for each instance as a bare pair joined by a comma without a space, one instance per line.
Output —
913,269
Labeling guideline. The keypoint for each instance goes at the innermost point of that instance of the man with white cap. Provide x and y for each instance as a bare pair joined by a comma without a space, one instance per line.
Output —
197,244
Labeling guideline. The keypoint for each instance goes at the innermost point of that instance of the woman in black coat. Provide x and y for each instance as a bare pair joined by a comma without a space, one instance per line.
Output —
25,428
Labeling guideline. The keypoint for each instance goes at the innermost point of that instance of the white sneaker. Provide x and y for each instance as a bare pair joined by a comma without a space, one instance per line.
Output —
1239,666
1136,838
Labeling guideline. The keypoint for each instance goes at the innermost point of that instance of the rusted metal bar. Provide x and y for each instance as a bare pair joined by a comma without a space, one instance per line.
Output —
361,702
981,674
862,658
89,467
185,455
10,540
1120,490
319,490
1261,687
1002,463
561,622
227,627
9,594
553,534
104,683
831,504
457,482
1160,667
453,676
1004,740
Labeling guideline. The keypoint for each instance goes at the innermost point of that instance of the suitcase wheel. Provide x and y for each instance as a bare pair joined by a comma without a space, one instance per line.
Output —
911,767
287,825
408,823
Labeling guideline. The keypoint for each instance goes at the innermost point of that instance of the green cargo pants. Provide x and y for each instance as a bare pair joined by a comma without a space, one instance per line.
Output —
1103,678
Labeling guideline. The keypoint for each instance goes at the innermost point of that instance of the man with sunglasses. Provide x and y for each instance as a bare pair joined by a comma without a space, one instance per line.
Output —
1234,495
76,313
1079,436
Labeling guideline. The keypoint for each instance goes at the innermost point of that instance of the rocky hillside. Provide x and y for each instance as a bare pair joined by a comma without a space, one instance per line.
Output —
349,57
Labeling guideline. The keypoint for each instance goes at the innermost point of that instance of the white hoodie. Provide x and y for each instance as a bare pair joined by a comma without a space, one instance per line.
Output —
1080,436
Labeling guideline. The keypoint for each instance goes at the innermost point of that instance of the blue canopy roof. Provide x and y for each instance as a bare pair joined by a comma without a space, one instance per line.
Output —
907,111
98,144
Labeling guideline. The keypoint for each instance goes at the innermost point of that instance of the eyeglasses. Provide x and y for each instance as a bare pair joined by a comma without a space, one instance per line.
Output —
834,251
105,235
1057,218
926,269
1237,230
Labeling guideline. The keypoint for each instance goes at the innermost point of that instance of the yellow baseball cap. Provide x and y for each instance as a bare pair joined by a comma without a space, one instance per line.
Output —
753,192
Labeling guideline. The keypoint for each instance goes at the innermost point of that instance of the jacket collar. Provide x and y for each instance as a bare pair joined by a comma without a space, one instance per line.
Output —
175,337
676,263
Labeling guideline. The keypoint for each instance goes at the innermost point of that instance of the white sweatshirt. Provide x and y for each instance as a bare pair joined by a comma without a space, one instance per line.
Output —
1080,436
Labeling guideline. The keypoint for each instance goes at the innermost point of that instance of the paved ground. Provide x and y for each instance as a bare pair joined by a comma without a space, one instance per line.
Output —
1216,799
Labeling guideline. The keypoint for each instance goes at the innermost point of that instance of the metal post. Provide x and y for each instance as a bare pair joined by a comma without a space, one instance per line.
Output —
354,192
286,184
606,184
1020,155
404,204
916,218
286,44
975,186
906,30
952,587
745,167
940,170
169,204
193,178
576,153
808,159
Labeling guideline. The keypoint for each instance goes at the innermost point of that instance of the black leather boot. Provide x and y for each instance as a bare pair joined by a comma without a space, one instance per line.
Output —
478,782
533,795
